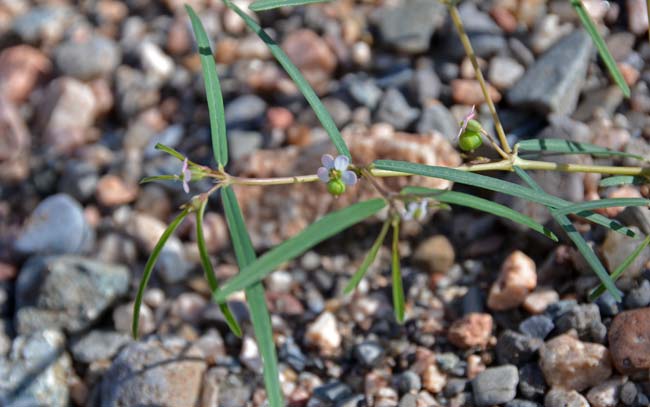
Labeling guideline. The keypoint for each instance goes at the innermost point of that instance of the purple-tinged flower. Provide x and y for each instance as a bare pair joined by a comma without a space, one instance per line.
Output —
466,119
336,169
416,210
186,176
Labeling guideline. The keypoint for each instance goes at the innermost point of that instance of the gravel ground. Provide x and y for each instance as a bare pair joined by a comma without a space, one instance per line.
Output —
494,315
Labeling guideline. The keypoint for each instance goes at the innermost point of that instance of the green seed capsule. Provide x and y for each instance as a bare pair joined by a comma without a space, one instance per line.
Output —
470,140
335,187
474,125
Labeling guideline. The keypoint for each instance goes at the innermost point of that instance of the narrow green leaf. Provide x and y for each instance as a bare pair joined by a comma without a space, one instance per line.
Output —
319,109
480,204
148,268
494,184
598,291
262,5
571,147
606,56
324,228
576,238
601,203
159,178
208,271
212,91
623,180
254,297
396,273
368,260
170,151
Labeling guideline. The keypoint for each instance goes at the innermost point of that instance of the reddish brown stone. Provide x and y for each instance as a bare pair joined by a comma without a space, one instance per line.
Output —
629,341
473,330
517,279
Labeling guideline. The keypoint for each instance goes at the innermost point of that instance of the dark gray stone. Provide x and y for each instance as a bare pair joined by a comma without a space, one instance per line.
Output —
291,353
532,384
363,90
243,143
66,292
537,326
408,27
515,348
98,345
79,179
522,403
395,110
454,386
352,401
41,22
553,83
135,91
332,392
246,112
425,84
88,58
582,318
639,296
495,385
35,372
628,394
56,226
436,117
559,308
607,305
368,353
409,381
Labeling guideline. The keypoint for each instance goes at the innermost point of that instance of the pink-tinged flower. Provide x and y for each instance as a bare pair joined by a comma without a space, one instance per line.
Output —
466,119
186,176
416,210
336,169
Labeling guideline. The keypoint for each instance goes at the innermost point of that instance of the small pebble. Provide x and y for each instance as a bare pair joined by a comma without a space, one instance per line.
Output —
518,277
473,330
537,326
565,398
629,341
496,385
324,333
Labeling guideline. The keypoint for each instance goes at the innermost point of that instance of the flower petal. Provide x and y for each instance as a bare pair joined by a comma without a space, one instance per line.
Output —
184,165
341,163
328,161
406,215
186,186
466,119
349,177
323,174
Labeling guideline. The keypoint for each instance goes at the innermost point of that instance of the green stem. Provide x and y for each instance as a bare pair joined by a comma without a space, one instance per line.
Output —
464,39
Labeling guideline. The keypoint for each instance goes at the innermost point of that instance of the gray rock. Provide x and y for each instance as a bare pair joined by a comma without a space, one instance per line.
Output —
553,83
87,58
638,297
332,392
246,112
409,381
66,292
436,117
515,348
395,110
522,403
36,371
607,305
583,318
56,226
363,90
79,179
408,27
425,84
628,394
156,372
532,384
135,91
42,23
537,326
368,353
495,385
504,72
98,345
242,143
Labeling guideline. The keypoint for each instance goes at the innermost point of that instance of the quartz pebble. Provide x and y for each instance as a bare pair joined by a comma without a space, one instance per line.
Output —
324,333
566,398
606,394
436,254
573,364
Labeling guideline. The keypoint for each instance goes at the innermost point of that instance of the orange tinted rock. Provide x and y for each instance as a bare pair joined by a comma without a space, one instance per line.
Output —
537,301
629,341
473,330
468,92
113,191
311,54
517,279
20,68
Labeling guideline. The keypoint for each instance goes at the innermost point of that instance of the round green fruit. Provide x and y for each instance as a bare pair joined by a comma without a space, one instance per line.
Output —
335,187
470,140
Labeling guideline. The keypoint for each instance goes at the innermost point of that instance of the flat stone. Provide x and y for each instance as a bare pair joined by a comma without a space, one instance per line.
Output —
436,117
629,341
565,398
156,372
408,26
496,385
395,110
87,57
537,326
606,394
515,348
56,226
436,254
98,345
66,292
36,371
553,83
472,330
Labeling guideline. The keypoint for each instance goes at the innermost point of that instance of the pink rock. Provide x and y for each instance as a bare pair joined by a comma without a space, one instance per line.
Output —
468,92
311,54
537,301
473,330
574,365
15,142
637,16
113,191
20,68
517,279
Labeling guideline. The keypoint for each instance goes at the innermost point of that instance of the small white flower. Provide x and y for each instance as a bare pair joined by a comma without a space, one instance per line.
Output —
336,169
186,176
416,210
